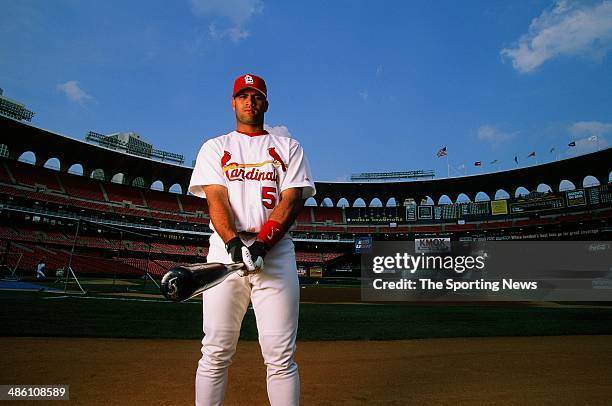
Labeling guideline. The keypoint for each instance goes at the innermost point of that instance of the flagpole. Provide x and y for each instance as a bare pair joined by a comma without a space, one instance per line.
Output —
447,166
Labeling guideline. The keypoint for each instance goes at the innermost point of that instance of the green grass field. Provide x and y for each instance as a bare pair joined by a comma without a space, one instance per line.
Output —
24,313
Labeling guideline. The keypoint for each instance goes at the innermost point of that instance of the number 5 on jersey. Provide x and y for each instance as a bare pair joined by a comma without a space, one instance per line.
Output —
268,197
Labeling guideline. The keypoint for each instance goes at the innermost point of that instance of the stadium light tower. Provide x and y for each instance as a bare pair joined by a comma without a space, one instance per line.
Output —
12,109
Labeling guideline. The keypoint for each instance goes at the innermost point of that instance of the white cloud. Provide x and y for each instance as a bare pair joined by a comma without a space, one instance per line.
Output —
492,135
568,29
364,95
379,70
235,34
237,12
74,93
591,128
593,136
587,145
279,130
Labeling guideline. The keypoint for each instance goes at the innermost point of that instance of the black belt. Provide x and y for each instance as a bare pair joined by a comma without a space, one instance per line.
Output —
246,235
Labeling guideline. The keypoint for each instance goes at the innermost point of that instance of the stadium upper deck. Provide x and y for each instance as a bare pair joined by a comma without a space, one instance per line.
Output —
567,199
20,137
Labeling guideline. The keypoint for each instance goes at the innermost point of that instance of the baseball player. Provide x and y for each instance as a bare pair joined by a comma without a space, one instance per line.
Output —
255,183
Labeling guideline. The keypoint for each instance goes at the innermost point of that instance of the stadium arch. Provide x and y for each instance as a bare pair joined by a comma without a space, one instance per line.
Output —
391,202
590,180
120,178
359,202
566,185
76,169
311,202
98,174
53,163
375,203
444,199
544,188
139,182
342,203
501,194
157,185
427,201
463,198
28,157
521,191
176,188
327,202
482,197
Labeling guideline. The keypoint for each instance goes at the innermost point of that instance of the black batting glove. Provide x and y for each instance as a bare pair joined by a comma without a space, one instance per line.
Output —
258,249
253,257
234,248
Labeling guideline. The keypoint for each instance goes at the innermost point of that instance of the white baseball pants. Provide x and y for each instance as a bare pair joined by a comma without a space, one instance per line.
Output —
274,294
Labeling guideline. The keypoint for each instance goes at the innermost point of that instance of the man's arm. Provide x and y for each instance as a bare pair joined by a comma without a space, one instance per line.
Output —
220,211
290,205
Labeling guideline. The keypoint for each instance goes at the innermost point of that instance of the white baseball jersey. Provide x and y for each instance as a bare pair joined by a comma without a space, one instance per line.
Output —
255,169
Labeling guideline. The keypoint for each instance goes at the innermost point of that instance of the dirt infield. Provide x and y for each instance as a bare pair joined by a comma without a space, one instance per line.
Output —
571,370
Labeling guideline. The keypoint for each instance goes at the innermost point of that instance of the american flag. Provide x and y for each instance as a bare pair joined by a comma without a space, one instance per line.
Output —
441,152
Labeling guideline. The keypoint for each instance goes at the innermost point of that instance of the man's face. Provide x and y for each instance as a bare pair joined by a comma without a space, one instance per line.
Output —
250,106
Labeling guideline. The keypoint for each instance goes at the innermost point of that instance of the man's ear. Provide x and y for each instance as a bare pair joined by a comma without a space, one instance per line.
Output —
233,104
266,108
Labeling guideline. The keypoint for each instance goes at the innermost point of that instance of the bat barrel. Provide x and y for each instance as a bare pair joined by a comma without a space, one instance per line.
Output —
178,284
183,282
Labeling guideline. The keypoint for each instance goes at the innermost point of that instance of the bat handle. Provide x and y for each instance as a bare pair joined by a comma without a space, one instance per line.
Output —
235,266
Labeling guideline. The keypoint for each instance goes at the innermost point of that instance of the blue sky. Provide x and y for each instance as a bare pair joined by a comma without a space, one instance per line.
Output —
363,85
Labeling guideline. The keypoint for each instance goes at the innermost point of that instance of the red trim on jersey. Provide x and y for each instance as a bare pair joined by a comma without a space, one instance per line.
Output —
255,134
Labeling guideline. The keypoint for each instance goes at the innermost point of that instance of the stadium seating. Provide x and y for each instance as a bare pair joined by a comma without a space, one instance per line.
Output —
83,204
460,227
495,225
333,229
46,197
168,216
78,186
193,204
26,174
4,175
390,230
131,212
361,229
323,214
302,228
316,257
121,193
530,222
12,191
304,216
426,229
162,201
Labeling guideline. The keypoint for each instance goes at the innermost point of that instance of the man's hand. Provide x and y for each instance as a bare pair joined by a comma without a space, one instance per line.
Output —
253,257
234,248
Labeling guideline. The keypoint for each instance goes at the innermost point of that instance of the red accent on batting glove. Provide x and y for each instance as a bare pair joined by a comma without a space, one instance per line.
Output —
271,233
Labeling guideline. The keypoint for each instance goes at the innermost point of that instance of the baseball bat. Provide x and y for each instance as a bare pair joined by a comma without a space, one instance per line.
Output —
184,282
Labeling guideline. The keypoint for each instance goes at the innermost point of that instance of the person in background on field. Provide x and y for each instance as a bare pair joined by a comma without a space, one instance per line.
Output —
40,267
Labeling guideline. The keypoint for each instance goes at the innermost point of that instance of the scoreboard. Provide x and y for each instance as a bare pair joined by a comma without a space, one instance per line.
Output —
600,195
531,206
575,198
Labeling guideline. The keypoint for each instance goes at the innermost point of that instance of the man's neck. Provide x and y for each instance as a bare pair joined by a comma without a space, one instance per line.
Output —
248,128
